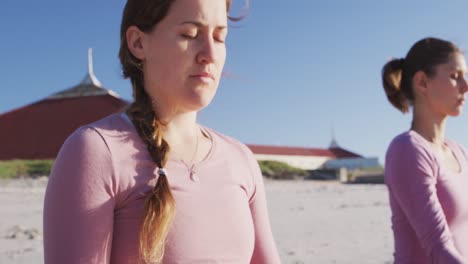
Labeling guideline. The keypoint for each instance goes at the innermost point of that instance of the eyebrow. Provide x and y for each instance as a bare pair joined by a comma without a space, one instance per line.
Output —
460,69
200,25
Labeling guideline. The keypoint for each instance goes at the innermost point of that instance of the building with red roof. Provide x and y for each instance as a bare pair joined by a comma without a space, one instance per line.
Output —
38,130
309,158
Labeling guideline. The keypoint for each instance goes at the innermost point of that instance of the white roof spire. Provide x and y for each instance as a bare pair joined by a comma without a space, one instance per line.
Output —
90,78
333,143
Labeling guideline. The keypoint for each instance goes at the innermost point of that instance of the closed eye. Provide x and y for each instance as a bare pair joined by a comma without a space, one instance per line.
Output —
220,35
220,39
190,36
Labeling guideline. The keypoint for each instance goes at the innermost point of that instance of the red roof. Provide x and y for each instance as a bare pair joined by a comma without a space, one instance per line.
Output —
38,130
298,151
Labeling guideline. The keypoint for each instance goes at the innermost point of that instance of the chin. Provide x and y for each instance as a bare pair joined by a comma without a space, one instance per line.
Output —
197,104
201,98
456,112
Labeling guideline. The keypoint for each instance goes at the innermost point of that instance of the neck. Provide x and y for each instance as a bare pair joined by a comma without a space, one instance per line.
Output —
180,129
429,125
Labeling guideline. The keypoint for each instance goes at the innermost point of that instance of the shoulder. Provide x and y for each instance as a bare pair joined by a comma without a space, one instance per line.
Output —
457,148
455,145
105,130
236,152
230,144
409,144
242,160
112,125
409,153
85,161
96,138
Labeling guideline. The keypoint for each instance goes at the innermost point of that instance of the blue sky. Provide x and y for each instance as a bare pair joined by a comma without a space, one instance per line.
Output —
296,69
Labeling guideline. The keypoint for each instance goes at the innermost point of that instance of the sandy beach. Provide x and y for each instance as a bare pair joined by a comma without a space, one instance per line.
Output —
312,221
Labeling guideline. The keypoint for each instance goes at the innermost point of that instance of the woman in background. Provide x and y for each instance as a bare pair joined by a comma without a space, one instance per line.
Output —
151,185
427,174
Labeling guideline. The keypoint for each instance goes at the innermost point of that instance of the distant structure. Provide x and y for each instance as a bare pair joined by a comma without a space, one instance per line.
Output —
332,158
304,158
38,130
332,163
348,161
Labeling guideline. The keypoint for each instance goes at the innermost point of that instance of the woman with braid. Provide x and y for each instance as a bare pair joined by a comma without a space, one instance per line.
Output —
151,185
427,174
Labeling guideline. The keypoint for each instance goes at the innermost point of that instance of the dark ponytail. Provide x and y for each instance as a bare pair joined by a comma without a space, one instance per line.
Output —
391,78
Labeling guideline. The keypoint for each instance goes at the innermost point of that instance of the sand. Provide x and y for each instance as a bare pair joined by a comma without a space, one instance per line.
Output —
312,221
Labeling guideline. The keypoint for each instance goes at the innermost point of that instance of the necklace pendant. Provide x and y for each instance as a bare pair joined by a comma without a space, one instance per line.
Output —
193,176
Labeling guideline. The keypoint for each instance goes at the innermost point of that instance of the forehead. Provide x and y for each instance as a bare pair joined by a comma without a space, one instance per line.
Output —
456,62
210,12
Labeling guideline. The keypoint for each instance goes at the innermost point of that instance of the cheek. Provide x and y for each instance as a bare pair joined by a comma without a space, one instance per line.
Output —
167,52
160,81
222,56
446,96
220,62
167,69
443,89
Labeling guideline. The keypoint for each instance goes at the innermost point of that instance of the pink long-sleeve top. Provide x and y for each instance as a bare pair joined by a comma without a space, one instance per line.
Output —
96,192
429,202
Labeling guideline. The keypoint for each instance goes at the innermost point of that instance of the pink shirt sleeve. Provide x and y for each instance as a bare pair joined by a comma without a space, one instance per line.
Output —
265,251
79,202
411,177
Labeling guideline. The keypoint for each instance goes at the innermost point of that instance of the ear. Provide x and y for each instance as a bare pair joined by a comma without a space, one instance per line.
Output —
420,82
135,38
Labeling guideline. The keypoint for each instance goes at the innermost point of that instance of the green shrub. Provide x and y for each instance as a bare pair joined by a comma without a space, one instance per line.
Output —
25,168
280,170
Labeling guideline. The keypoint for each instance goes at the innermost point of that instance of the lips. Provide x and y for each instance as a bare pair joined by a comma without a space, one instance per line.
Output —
203,75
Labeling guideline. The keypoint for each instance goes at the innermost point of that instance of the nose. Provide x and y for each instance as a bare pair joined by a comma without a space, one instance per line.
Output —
207,51
464,86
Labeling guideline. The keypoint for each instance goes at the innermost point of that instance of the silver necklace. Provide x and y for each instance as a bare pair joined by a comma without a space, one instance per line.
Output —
191,167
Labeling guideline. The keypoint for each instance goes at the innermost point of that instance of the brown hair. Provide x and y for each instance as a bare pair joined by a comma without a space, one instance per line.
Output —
160,204
397,74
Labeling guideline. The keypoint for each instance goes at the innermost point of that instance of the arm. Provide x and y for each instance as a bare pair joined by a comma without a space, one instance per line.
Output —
265,251
411,177
79,204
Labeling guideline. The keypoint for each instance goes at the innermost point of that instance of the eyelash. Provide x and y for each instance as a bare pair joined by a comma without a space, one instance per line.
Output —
189,36
219,40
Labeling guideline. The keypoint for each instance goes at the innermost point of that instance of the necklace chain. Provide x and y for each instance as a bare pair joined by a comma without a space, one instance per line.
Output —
192,162
191,166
